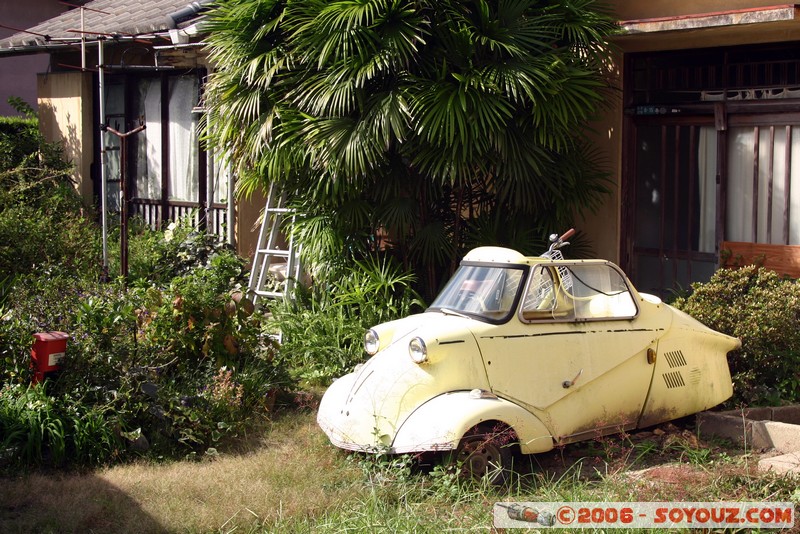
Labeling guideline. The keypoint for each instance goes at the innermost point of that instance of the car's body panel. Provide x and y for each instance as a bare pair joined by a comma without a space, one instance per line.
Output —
364,409
563,350
439,423
691,371
606,359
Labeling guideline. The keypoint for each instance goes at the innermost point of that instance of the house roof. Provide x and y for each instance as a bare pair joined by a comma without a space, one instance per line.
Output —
109,18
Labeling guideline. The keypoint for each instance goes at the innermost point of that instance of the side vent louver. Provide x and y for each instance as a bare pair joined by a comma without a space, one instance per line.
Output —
674,380
675,359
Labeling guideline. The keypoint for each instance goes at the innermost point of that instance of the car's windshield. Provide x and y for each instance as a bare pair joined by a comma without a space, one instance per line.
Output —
481,291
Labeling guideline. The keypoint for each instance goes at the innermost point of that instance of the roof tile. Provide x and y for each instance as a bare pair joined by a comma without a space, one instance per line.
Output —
111,17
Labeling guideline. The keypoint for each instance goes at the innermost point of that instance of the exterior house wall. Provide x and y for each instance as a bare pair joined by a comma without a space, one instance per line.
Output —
678,26
141,76
248,223
18,74
602,226
65,115
66,100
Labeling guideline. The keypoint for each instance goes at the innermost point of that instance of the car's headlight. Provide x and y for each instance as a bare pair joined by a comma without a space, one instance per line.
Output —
417,350
371,342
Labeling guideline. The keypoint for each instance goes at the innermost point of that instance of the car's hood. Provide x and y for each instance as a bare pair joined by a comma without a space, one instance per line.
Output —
443,323
364,409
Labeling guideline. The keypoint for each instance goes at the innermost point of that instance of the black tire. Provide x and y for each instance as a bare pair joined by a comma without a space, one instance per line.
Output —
486,452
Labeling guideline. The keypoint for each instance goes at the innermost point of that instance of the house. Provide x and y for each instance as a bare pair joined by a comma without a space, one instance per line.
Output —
18,75
703,137
115,67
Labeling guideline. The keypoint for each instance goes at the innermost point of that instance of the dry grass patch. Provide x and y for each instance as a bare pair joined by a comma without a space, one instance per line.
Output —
293,475
288,478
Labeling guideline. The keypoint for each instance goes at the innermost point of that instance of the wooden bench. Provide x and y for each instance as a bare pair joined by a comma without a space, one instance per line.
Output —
783,259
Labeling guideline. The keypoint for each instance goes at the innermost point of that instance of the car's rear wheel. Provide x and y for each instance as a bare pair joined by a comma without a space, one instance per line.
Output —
486,452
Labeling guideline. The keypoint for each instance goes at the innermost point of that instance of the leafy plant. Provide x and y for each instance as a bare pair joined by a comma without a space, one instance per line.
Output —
170,364
158,257
318,340
376,290
416,126
762,309
41,219
38,428
168,368
29,425
322,328
20,106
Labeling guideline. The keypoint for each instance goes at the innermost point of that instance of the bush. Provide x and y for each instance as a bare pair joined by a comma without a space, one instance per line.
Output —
38,428
158,257
763,310
41,219
37,238
166,365
322,329
19,137
170,369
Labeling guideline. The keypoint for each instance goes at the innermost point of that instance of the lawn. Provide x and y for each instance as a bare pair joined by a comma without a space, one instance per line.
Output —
286,477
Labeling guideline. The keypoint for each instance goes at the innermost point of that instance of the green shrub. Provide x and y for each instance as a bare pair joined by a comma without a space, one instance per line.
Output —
169,364
319,341
185,364
38,428
158,257
36,238
19,137
196,316
171,368
322,329
41,214
762,309
30,425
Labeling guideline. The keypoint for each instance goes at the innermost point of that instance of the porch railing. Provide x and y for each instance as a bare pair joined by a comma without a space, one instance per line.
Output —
152,212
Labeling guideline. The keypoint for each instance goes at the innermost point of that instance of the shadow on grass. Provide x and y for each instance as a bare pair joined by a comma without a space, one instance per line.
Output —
264,478
50,502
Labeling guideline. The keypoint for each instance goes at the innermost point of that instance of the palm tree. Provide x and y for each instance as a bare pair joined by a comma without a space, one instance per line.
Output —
417,126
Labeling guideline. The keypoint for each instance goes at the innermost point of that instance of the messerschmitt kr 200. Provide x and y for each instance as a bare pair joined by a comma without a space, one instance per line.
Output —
521,354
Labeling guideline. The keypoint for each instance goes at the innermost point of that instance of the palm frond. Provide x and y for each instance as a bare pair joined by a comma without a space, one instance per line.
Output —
383,114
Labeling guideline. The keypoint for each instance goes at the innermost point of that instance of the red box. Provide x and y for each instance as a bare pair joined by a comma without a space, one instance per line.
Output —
48,349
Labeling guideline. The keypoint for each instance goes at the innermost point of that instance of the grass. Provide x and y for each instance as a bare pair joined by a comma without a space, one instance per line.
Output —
288,478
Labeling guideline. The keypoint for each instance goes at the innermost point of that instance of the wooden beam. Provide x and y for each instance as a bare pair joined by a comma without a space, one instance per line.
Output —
783,259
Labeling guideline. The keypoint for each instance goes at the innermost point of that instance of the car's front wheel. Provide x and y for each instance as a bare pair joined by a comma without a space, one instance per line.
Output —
486,451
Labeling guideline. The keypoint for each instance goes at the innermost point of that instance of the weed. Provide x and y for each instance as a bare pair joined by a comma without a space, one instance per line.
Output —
322,327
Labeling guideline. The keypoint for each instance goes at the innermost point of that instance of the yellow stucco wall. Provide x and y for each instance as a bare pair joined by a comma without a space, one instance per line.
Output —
65,115
603,226
248,223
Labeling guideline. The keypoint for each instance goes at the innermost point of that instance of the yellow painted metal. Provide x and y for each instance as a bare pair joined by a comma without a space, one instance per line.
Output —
364,409
427,428
554,378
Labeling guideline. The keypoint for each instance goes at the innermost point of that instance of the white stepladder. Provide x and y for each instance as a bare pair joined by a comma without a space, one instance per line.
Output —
269,255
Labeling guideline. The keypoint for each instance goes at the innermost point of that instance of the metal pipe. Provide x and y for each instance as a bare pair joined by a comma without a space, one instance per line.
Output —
210,188
186,13
83,41
103,182
184,45
231,209
123,186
